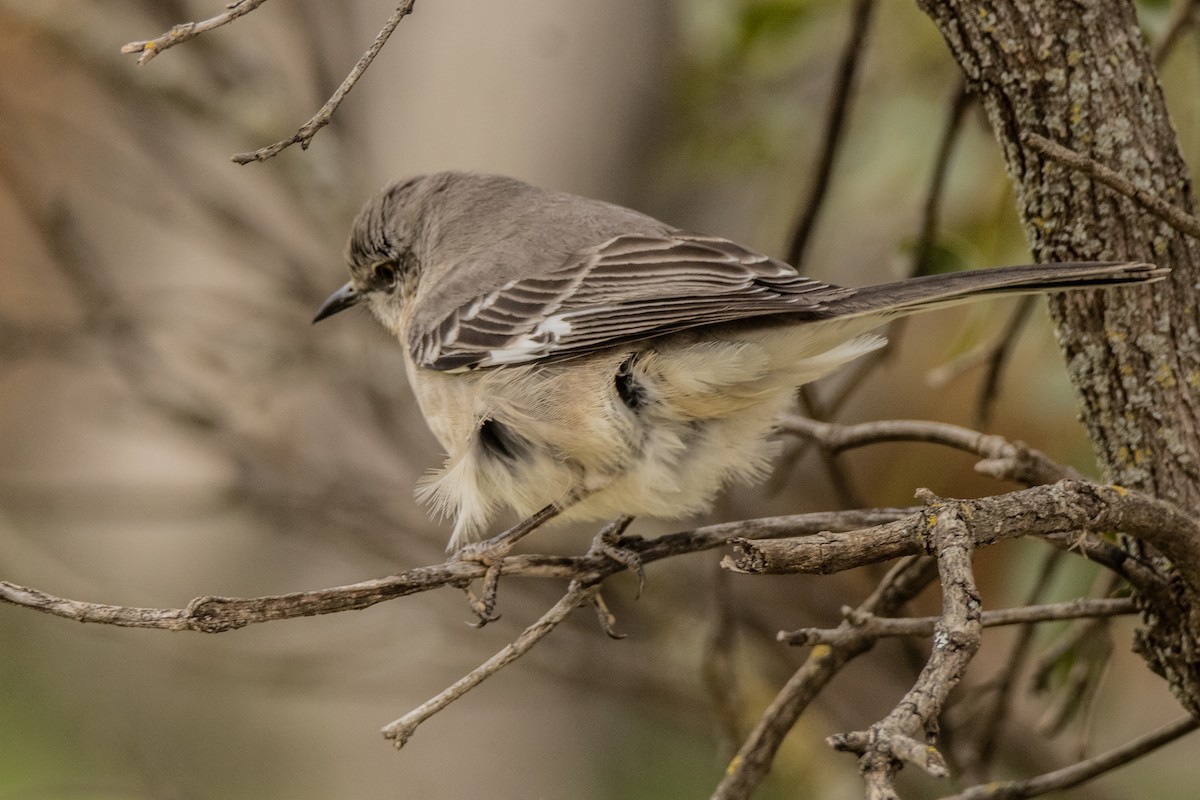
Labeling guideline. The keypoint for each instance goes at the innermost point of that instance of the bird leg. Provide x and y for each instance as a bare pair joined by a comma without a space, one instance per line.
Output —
491,553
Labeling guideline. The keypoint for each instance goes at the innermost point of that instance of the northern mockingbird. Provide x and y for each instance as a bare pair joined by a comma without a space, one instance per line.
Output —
577,357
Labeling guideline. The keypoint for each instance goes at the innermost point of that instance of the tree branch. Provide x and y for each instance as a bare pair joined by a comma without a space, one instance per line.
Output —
931,209
308,130
1177,218
218,614
1067,507
1082,608
1183,17
1002,459
1082,772
835,120
400,730
189,30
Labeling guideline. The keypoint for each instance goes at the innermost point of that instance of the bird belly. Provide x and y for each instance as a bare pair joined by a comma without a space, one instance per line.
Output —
656,432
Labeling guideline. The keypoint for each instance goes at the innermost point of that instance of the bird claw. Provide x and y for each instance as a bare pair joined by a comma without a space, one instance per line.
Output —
605,617
490,554
608,543
484,604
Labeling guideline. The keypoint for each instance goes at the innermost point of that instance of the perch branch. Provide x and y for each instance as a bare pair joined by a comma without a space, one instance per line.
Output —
219,614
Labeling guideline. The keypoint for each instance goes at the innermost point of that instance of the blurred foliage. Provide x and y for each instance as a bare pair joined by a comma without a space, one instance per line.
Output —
734,77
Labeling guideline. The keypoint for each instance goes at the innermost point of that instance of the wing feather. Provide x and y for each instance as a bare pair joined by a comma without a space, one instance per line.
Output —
625,289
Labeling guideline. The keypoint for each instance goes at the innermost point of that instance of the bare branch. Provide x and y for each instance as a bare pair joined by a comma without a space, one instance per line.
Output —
308,130
1173,216
1085,649
1067,507
219,614
994,354
400,730
1084,607
861,369
189,30
171,619
1002,459
997,355
1082,772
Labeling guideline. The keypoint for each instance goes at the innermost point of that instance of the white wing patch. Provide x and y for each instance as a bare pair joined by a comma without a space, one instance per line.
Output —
524,348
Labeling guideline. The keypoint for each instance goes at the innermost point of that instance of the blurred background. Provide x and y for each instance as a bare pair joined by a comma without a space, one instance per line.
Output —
172,426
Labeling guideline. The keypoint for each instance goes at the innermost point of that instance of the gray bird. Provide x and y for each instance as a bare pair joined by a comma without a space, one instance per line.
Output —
578,358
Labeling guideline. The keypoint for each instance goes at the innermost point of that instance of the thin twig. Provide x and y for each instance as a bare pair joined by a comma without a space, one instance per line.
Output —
189,30
839,479
998,357
990,705
835,120
960,101
862,368
1085,649
400,730
308,130
1082,772
1175,217
1086,607
994,353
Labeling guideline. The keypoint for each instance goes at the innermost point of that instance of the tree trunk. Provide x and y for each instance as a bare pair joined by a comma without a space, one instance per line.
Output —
1081,75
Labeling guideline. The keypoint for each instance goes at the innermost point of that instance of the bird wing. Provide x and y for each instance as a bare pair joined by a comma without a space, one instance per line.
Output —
628,288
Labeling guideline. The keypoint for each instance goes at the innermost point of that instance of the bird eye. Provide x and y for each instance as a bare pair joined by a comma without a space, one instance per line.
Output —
385,275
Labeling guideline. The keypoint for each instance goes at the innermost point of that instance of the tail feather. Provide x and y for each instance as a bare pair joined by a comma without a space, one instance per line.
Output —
928,291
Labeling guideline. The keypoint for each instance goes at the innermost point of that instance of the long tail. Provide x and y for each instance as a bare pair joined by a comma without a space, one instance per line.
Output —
929,291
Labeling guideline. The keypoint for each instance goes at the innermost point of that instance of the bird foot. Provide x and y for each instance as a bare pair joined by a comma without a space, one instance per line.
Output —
490,554
608,543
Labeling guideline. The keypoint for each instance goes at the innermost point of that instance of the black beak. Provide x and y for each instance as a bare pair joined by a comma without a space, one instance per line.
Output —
340,300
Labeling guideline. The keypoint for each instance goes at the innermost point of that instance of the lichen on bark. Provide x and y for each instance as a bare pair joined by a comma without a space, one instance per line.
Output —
1083,77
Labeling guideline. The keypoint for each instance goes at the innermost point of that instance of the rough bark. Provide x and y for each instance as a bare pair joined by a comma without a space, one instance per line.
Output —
1080,74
